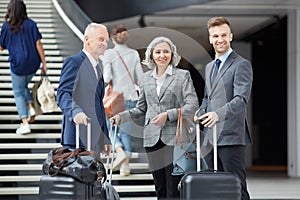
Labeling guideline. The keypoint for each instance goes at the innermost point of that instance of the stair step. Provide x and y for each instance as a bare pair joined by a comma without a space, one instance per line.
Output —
9,86
19,178
37,156
30,136
45,20
37,118
134,188
35,167
33,10
49,72
48,58
47,52
18,190
35,78
115,177
52,46
11,109
35,190
29,145
49,41
33,2
40,15
49,65
3,3
32,126
23,156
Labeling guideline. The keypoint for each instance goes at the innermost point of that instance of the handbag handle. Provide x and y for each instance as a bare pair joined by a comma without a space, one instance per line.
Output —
179,127
179,132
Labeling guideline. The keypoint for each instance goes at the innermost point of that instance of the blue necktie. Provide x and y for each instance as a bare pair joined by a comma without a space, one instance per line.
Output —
98,71
215,72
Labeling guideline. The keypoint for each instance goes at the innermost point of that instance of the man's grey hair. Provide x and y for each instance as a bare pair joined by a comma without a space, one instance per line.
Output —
148,61
92,28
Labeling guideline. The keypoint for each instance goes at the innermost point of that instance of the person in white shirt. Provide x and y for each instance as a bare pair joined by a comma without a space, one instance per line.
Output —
122,68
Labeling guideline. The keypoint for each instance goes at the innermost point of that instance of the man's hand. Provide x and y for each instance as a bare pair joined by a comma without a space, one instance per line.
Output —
107,149
81,118
208,119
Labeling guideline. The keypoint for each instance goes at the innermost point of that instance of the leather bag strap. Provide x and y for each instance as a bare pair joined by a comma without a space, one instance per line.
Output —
179,128
132,80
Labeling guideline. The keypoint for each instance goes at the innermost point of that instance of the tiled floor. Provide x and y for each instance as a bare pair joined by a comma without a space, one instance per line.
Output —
266,186
272,185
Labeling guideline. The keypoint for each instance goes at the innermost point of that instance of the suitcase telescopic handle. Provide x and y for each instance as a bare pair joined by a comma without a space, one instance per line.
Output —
89,139
215,147
215,139
110,158
198,148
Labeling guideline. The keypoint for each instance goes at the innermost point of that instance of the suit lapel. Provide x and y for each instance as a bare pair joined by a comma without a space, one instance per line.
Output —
224,68
227,64
88,65
209,69
151,84
169,79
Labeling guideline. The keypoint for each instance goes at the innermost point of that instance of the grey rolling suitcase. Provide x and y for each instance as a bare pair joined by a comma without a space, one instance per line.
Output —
68,188
209,184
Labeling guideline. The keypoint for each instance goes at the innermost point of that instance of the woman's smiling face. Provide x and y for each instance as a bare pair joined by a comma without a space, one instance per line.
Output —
162,54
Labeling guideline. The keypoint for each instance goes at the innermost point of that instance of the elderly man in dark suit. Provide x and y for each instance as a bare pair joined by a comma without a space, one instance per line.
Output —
81,90
228,87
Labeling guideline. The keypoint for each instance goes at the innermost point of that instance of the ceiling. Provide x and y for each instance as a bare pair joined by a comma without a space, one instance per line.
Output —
245,16
186,26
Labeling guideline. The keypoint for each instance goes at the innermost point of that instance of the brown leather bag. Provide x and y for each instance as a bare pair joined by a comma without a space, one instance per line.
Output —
113,101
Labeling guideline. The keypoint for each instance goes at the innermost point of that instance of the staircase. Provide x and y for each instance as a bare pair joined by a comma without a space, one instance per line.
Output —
21,157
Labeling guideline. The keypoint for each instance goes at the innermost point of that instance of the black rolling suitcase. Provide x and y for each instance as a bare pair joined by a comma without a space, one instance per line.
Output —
65,187
209,184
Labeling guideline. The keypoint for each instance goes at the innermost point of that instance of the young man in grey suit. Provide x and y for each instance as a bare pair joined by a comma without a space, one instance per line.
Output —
227,92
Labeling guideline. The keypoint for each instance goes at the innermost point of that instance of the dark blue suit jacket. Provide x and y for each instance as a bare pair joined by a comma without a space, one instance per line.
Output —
80,91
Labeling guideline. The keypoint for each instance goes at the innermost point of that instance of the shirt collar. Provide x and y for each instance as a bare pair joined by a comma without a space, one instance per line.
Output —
224,57
168,71
91,58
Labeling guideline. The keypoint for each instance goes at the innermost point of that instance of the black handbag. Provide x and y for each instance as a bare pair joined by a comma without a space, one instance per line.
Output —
85,166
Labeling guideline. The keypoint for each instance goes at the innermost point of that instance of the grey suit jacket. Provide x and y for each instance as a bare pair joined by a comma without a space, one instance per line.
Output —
79,90
228,97
177,92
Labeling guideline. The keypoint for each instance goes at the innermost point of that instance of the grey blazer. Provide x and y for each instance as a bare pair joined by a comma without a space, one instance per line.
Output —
228,97
177,92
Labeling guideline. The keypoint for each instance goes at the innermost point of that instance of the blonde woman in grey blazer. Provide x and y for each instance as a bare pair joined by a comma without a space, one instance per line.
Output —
164,89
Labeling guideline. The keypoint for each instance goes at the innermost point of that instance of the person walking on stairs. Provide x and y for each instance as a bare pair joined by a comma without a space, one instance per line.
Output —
21,37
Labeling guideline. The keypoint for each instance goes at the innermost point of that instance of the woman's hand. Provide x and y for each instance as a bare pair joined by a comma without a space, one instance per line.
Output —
115,120
44,69
160,119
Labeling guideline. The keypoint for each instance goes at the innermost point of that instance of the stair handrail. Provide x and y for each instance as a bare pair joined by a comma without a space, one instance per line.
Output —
67,20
